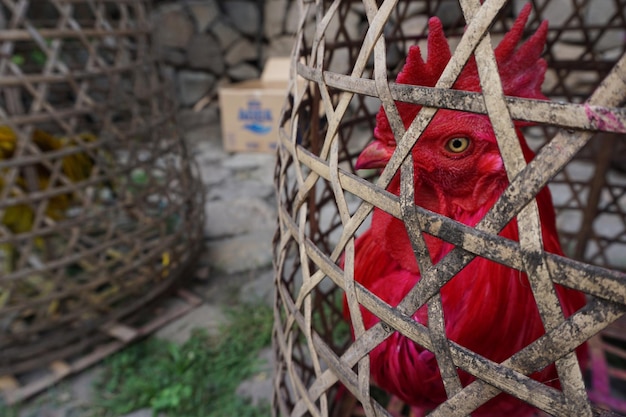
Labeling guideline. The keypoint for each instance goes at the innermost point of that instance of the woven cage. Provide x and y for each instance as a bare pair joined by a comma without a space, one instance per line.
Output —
98,199
348,53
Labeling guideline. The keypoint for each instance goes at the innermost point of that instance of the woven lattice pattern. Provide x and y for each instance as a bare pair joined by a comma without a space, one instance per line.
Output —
97,196
324,204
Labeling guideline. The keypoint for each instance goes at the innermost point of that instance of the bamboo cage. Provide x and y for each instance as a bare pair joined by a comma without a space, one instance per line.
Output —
98,198
349,53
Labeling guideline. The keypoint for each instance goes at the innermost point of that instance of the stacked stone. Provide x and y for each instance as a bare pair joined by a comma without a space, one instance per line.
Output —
208,43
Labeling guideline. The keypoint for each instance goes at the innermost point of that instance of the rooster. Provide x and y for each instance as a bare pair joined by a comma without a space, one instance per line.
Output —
459,173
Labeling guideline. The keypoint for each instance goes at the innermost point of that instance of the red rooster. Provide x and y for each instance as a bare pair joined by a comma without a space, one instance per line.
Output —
489,308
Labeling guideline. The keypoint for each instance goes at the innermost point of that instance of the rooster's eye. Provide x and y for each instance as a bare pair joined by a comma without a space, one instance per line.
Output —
457,145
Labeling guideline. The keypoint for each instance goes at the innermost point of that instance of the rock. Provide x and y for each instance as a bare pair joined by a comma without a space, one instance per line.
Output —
583,82
174,56
82,385
615,256
202,274
274,17
341,62
205,146
569,221
243,71
551,80
234,217
207,316
561,193
211,174
609,225
49,410
327,217
70,398
193,85
168,73
236,188
264,174
617,177
206,134
3,20
280,46
242,50
172,28
568,52
394,55
309,29
613,54
293,17
261,289
414,26
189,119
349,26
245,16
204,13
292,20
580,171
225,34
416,8
144,412
204,52
449,12
259,388
557,12
598,14
223,82
242,161
242,253
372,104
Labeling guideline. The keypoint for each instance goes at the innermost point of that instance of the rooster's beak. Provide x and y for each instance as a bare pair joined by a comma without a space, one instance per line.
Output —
375,155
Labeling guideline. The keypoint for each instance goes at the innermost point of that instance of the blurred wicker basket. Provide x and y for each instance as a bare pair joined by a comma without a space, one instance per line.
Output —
98,202
350,51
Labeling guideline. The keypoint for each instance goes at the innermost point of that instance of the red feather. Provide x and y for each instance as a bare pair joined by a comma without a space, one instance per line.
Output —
489,308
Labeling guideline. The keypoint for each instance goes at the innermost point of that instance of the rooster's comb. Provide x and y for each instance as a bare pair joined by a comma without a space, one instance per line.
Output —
521,70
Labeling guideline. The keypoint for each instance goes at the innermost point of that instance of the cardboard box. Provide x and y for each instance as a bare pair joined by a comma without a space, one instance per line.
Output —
250,110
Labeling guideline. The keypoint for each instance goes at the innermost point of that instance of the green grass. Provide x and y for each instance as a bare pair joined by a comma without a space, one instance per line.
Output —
8,411
196,379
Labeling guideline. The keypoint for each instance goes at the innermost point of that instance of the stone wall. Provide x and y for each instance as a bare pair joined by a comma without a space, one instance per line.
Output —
207,43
